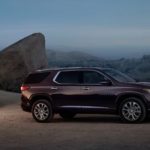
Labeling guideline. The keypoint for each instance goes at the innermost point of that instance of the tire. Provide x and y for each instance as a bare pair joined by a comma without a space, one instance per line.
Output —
67,115
42,111
132,110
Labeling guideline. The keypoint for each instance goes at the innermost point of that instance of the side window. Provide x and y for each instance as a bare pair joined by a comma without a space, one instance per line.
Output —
36,77
92,77
69,77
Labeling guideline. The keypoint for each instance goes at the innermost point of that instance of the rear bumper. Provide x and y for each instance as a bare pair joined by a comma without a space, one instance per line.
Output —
25,105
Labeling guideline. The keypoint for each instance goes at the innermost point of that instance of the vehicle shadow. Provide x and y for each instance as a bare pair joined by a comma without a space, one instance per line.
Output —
89,119
95,119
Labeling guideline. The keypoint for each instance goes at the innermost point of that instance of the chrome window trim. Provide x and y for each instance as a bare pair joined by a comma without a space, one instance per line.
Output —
55,77
101,73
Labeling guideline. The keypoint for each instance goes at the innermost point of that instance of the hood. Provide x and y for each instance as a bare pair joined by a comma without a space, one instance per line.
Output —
144,83
139,85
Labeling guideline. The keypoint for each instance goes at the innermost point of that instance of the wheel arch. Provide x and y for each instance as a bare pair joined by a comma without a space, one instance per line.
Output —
121,97
36,97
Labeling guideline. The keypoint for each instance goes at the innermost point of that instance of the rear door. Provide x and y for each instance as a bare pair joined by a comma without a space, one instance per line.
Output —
68,91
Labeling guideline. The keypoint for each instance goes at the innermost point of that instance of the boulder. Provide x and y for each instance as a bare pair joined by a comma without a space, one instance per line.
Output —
21,58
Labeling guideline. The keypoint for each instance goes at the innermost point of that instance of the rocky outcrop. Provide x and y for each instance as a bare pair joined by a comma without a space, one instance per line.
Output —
17,60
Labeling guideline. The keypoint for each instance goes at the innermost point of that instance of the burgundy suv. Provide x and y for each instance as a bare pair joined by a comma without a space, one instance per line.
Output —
69,91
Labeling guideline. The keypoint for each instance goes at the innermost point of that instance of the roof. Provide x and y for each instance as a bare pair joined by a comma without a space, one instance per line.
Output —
69,68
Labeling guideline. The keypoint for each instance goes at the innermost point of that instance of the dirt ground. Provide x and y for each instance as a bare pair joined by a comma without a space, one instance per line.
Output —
18,131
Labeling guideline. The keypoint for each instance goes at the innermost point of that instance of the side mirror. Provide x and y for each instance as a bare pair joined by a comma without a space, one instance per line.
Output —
106,83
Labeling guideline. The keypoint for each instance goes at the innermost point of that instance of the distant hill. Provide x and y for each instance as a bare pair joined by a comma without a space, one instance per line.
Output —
73,58
137,68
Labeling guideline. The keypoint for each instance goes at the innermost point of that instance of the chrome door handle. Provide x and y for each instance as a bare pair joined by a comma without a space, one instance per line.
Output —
53,88
85,88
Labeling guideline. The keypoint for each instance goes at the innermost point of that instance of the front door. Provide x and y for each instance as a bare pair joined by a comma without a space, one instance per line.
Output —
96,91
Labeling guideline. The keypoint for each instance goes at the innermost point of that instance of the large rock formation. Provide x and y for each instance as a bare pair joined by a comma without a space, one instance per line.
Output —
17,60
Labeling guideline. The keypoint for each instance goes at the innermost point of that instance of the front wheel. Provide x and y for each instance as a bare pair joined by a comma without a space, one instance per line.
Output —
132,110
42,111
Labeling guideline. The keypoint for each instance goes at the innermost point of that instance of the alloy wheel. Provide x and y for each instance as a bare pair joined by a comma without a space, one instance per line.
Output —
131,111
41,111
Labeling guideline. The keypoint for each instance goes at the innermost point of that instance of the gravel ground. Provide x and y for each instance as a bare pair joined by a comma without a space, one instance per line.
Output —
18,131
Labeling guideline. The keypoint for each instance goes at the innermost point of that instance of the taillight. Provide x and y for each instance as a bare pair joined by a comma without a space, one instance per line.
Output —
24,88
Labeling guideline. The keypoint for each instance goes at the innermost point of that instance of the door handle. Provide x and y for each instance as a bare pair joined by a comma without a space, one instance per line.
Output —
85,88
53,88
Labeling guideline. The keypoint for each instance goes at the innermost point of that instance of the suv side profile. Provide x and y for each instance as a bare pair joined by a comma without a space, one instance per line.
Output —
69,91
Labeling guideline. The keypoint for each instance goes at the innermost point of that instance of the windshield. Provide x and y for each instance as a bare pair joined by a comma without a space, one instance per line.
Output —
117,75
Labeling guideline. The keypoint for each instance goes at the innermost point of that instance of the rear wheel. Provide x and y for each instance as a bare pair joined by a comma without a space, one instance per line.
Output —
132,110
42,111
67,115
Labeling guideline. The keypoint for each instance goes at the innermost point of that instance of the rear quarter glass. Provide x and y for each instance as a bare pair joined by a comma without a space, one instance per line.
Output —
36,77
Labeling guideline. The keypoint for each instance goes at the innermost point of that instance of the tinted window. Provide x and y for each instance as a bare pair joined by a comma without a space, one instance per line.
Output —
36,78
91,77
119,76
69,77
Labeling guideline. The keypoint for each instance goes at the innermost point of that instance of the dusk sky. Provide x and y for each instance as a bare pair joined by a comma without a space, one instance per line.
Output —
106,28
